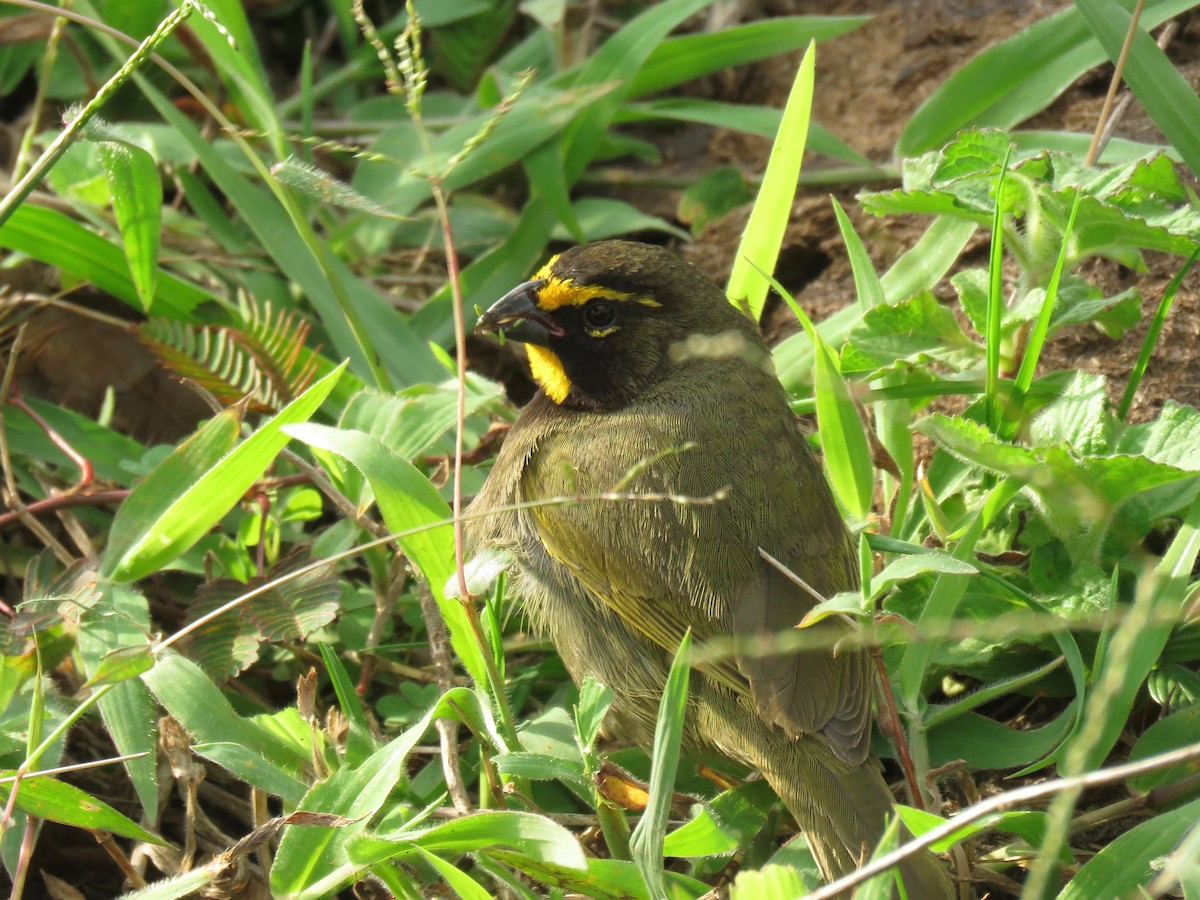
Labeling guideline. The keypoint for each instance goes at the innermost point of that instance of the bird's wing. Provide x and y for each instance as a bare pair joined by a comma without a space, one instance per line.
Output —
666,565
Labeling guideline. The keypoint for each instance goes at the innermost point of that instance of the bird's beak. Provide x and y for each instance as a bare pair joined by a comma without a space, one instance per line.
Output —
518,315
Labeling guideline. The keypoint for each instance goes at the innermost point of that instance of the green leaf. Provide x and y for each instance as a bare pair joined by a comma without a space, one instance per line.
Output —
113,643
48,798
137,202
1162,90
462,883
311,861
56,240
919,269
916,329
1077,418
987,744
1172,733
1131,862
843,438
594,702
723,824
866,280
1012,80
771,882
711,196
121,665
255,756
197,485
1172,439
416,511
759,248
691,56
649,835
605,217
603,879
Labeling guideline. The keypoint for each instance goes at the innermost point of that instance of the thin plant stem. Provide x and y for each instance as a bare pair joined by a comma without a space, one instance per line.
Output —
1094,148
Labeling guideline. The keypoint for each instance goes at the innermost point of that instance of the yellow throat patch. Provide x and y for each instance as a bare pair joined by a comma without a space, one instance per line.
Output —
547,370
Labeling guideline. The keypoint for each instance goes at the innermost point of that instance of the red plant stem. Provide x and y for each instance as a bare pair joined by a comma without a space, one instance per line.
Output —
86,474
897,729
64,501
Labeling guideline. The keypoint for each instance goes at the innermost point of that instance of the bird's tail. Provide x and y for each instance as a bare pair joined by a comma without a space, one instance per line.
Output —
843,810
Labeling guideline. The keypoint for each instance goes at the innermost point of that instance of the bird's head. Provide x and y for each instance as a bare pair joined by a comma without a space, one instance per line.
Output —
604,321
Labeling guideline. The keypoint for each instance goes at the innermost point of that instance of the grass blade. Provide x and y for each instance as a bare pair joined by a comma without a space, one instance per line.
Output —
759,248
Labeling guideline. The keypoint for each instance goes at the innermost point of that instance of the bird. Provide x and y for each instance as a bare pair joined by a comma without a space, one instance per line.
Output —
699,508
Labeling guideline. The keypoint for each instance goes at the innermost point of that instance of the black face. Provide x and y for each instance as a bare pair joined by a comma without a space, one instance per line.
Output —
610,314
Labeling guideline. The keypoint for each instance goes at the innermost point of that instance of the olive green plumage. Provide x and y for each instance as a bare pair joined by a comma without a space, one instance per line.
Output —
666,389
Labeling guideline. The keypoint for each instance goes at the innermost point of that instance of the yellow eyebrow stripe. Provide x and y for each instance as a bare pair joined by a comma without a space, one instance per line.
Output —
557,292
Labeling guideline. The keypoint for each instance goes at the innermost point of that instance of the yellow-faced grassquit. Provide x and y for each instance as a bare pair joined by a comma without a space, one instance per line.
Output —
651,382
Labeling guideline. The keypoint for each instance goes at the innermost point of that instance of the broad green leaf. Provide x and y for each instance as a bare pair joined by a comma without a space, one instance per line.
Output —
1175,731
49,798
690,56
1012,80
723,824
200,707
1078,418
915,329
311,861
415,510
56,240
1131,862
987,744
917,270
1173,438
159,490
121,665
114,645
771,881
137,202
196,486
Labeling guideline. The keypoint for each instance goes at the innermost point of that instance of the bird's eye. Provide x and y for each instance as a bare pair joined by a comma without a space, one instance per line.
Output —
599,314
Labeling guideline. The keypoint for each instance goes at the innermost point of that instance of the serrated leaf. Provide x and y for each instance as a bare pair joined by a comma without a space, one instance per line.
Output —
1172,439
1078,418
723,824
916,328
227,645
